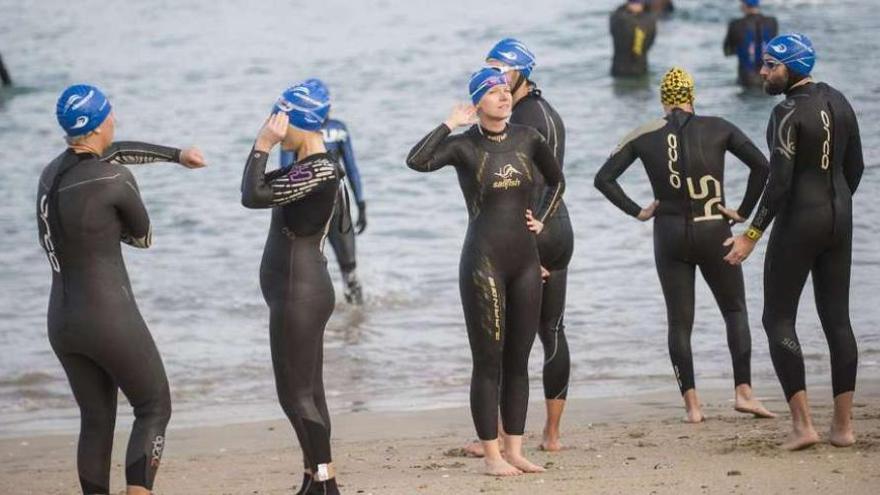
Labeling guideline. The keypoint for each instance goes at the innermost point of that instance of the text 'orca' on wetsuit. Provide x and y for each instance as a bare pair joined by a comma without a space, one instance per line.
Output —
499,276
86,205
683,155
816,164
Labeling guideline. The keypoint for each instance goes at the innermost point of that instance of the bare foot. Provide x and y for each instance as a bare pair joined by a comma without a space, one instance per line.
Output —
500,467
694,416
474,449
551,442
842,437
752,406
524,464
798,440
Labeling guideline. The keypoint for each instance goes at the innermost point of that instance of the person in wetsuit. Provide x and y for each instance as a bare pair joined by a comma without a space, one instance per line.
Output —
556,241
747,38
341,235
499,274
633,29
86,204
683,154
816,164
293,273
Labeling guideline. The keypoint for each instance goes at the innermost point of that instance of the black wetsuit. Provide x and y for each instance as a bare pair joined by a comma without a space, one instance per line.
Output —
632,36
683,155
555,246
297,287
499,276
747,37
815,167
85,206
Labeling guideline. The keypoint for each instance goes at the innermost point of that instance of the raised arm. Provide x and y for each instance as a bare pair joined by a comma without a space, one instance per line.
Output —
136,153
729,47
743,148
434,151
261,190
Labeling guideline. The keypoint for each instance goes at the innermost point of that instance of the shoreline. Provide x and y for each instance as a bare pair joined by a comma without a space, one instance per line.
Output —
633,444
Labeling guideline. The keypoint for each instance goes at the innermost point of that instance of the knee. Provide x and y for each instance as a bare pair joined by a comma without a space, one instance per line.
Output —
98,419
157,408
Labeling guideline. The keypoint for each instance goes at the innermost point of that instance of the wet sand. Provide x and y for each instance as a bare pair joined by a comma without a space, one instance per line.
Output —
635,444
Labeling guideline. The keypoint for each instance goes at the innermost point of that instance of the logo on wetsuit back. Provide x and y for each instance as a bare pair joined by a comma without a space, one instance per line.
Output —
156,454
638,41
48,245
707,182
826,145
672,154
508,177
334,135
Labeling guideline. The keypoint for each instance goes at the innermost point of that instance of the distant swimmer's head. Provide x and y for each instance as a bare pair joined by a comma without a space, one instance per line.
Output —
788,60
490,93
82,110
307,104
750,4
677,89
513,58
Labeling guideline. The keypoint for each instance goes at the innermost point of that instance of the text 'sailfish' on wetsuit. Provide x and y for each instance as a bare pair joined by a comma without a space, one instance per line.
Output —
341,234
499,277
815,167
683,155
632,35
747,37
555,246
86,205
297,288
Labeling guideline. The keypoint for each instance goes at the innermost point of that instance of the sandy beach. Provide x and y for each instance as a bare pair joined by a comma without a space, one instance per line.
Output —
635,444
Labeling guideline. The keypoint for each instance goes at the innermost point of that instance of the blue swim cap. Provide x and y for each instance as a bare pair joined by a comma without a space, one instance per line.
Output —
307,104
795,51
483,80
751,3
81,108
515,54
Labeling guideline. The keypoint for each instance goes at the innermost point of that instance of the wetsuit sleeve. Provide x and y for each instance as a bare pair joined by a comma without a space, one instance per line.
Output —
549,168
434,151
351,169
136,153
782,141
606,178
136,230
853,160
259,190
743,148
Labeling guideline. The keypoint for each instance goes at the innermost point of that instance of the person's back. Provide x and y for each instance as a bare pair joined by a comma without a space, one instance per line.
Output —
746,38
632,31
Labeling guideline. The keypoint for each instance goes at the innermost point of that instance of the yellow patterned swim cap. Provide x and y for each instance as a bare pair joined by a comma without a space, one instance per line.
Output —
677,87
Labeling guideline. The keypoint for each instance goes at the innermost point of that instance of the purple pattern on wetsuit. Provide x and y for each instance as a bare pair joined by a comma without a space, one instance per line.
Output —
300,174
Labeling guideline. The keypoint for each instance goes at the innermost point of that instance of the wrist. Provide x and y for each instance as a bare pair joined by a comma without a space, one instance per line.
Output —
262,145
753,234
449,125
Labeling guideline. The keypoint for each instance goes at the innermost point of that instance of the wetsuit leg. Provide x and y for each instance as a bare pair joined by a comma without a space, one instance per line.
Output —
483,300
557,365
726,282
95,394
786,266
522,314
296,327
677,281
831,277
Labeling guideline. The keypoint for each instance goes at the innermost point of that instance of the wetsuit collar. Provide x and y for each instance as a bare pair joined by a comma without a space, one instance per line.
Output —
495,137
803,87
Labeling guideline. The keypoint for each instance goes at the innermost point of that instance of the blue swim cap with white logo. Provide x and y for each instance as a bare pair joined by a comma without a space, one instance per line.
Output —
795,51
514,54
752,3
81,108
483,80
307,104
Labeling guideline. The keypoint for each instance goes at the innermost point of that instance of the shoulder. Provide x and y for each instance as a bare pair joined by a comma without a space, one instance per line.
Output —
525,132
642,130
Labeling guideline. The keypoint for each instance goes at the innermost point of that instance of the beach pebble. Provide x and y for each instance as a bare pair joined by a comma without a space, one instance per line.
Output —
734,473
